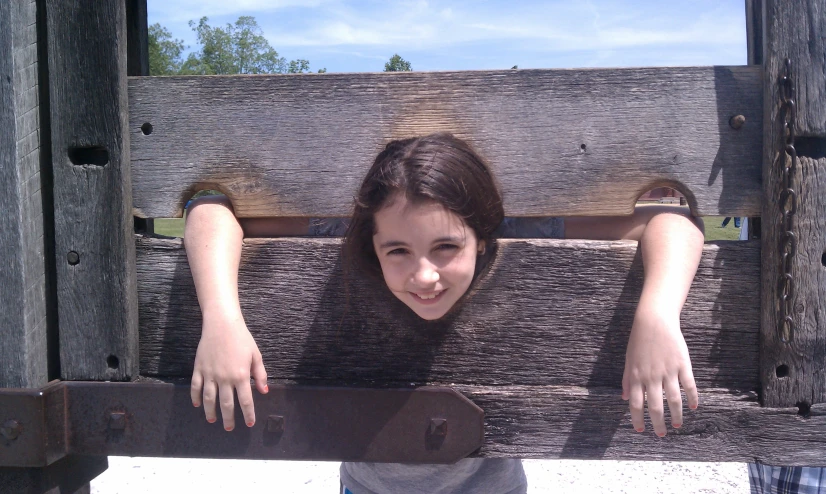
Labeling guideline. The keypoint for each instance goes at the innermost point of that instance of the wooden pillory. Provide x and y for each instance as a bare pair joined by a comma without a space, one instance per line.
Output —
87,153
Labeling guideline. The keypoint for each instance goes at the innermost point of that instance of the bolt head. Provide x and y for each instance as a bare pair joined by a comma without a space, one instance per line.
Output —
11,430
737,122
73,258
117,421
275,424
438,427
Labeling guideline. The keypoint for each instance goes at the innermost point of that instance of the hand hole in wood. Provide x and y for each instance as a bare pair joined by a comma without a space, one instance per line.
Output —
146,128
112,361
89,155
782,370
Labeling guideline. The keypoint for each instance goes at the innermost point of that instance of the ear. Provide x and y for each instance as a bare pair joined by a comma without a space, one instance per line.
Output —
482,247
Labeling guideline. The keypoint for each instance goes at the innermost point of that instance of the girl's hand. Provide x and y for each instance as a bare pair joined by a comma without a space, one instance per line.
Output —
226,356
657,360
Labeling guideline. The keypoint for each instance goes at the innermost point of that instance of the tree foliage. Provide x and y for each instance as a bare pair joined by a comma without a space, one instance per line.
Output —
164,51
397,64
239,48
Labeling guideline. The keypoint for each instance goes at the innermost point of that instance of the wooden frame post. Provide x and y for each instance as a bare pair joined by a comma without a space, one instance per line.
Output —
95,245
793,373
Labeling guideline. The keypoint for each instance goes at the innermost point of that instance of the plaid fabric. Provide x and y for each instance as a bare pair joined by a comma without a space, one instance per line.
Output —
766,479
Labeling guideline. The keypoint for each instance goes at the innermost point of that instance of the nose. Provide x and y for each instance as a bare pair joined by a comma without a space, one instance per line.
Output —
425,273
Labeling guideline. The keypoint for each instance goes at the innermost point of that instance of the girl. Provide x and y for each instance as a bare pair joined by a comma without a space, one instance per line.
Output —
426,219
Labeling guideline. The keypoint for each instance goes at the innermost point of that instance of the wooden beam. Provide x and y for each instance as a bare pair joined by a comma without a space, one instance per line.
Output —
95,249
561,142
23,282
137,38
550,312
792,372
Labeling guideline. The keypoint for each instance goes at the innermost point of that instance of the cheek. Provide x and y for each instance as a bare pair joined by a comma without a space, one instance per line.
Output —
393,274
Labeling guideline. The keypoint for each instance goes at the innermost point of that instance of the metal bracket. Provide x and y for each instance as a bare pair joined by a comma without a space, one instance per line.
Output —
421,425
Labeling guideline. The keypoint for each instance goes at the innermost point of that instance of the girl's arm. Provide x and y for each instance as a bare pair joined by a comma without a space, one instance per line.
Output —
657,358
227,354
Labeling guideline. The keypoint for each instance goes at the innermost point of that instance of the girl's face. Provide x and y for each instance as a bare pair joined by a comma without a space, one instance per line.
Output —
427,255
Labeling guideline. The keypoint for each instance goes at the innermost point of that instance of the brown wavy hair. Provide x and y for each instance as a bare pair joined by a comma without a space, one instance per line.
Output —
438,167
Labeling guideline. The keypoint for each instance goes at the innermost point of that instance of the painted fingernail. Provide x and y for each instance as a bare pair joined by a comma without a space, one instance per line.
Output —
228,429
693,407
677,426
266,389
196,405
640,429
661,434
211,421
250,424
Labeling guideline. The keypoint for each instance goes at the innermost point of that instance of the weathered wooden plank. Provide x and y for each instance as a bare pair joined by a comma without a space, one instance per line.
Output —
568,422
550,312
561,142
23,306
794,372
95,249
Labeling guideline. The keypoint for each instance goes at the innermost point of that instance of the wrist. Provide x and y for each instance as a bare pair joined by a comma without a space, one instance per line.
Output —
223,317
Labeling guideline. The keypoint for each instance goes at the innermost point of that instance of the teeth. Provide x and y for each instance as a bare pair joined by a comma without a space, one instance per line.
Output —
428,297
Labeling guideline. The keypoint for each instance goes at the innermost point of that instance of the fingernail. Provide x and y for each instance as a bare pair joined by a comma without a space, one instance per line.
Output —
211,421
228,429
693,407
640,429
250,424
677,426
661,435
196,405
266,389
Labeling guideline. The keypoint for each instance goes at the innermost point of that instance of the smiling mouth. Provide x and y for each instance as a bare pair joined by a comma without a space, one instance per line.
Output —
428,298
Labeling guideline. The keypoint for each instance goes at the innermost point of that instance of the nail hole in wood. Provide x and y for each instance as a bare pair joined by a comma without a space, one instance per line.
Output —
146,128
782,370
582,147
112,361
803,409
89,155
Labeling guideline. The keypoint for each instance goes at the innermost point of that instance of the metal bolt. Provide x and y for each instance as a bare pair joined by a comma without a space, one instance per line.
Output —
73,258
11,430
117,421
275,424
438,427
737,122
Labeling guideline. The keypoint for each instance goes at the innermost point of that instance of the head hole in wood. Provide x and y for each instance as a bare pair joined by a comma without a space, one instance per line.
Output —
112,361
89,155
782,370
146,128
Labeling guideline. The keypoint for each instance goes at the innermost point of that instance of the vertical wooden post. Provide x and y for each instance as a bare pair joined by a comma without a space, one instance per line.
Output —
137,35
794,373
95,248
23,303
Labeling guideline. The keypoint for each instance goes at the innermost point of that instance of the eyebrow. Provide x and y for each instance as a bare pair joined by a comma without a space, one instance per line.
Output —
399,243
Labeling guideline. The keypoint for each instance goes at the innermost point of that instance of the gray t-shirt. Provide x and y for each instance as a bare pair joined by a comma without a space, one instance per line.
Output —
471,475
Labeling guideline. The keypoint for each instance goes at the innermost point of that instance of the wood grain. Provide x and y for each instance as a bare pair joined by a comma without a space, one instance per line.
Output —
533,320
561,142
97,300
23,345
796,31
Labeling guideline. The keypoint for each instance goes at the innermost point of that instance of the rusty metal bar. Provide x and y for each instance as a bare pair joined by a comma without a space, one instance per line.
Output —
422,425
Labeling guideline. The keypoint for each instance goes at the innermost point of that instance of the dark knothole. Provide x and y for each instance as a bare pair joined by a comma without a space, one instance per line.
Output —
582,147
823,259
89,155
112,361
146,128
803,409
782,370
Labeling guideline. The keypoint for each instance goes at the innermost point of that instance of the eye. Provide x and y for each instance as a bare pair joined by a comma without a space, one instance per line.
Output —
397,252
446,247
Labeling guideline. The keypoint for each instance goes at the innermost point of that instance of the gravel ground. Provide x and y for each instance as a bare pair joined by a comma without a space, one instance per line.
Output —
173,475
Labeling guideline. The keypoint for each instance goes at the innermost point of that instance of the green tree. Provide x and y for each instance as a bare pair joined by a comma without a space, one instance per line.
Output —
239,48
397,64
164,51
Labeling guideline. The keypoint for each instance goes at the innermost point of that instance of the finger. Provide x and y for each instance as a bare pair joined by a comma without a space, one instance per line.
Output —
259,373
635,404
675,402
690,387
654,398
244,391
210,393
196,388
228,406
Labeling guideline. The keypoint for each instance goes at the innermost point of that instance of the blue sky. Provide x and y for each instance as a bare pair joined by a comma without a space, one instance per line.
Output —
359,36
